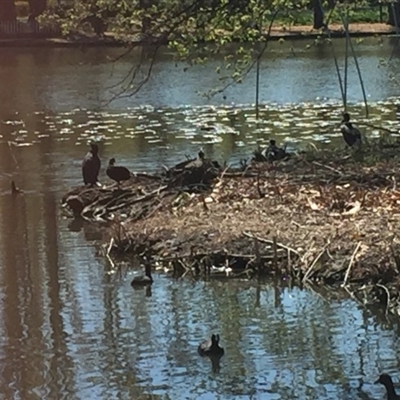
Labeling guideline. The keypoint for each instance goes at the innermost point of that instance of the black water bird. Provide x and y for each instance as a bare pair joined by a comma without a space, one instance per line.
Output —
91,165
351,134
143,280
117,172
210,347
273,152
386,380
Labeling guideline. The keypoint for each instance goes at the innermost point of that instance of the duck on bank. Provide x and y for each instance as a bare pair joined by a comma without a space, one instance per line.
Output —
117,173
198,162
351,134
273,152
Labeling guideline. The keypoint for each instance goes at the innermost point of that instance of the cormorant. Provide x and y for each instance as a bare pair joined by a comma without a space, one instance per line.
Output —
117,173
91,165
350,132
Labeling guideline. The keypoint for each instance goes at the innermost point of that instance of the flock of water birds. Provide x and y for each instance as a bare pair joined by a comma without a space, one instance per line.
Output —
91,167
210,348
91,163
90,170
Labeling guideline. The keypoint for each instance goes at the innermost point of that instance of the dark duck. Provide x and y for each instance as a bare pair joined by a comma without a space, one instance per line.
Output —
117,172
210,348
386,381
91,165
143,280
201,161
351,134
273,152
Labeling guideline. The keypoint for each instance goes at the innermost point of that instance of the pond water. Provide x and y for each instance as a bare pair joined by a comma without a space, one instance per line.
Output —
72,329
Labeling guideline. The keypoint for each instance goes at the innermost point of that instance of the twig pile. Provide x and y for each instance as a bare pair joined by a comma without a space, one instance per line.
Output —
312,220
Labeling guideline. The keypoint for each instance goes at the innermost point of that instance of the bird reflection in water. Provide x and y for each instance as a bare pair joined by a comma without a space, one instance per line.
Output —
215,363
92,232
210,348
148,291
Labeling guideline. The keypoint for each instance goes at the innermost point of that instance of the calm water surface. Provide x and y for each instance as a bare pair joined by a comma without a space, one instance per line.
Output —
70,328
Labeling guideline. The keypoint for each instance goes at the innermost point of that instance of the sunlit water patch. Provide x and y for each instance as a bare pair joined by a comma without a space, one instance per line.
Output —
140,136
72,328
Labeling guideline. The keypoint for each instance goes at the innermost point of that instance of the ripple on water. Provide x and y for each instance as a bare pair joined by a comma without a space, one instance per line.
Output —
302,121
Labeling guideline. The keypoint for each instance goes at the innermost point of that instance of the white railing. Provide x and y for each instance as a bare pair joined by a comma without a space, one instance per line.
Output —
26,29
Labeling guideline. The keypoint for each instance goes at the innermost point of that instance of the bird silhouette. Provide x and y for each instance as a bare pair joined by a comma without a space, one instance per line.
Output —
91,165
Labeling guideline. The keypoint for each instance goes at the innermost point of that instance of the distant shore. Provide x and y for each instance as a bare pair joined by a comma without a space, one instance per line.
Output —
278,32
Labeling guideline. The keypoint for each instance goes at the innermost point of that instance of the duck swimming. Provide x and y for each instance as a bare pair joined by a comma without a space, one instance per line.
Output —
386,380
210,348
143,280
117,172
91,165
350,132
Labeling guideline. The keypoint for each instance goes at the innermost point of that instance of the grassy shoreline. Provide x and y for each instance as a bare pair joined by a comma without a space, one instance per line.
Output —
278,32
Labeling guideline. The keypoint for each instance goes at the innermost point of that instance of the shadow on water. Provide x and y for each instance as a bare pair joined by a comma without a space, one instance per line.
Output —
73,328
91,232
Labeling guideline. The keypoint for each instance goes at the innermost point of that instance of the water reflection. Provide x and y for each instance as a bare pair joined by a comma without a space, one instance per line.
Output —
63,79
72,331
72,328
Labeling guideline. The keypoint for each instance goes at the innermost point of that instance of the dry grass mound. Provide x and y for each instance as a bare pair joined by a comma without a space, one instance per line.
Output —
320,218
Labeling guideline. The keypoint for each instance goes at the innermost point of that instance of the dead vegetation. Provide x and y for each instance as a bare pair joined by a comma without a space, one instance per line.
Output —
316,218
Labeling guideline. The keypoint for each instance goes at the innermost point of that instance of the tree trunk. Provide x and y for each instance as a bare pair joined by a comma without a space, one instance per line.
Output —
394,14
7,10
331,4
36,7
318,15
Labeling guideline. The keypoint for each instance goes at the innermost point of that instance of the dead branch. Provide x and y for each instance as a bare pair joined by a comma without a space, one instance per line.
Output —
353,256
